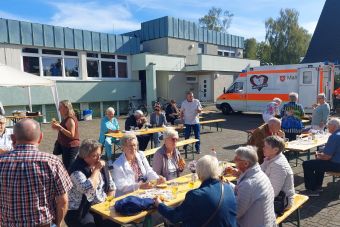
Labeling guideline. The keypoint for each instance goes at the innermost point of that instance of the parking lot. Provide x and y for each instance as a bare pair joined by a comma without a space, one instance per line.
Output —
323,210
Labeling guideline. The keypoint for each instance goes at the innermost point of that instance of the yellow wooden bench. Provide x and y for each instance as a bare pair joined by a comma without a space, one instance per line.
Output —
216,121
148,153
299,200
334,175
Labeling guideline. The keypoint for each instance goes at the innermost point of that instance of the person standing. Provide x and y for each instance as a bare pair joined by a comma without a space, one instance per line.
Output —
272,109
33,184
6,143
190,110
68,135
291,114
321,113
108,124
157,119
328,160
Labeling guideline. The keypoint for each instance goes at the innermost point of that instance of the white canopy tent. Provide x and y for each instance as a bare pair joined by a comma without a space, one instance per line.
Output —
11,77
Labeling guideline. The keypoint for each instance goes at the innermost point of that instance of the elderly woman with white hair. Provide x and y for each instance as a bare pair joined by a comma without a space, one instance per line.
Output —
131,170
328,160
108,124
291,114
272,109
254,192
6,143
92,184
212,204
167,160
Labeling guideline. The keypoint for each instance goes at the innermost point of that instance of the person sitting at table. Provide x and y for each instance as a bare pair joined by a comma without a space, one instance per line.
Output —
108,124
172,112
273,127
6,143
291,114
321,112
167,160
328,160
157,119
92,184
277,168
272,109
212,204
138,121
131,170
254,192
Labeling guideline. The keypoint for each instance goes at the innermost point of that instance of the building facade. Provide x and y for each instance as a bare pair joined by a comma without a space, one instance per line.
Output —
166,58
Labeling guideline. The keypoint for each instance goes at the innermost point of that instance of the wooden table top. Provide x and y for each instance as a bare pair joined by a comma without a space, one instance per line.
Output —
139,132
22,117
104,210
305,144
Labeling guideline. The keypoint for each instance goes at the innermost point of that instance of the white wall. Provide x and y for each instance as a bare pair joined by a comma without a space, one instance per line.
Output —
223,80
11,55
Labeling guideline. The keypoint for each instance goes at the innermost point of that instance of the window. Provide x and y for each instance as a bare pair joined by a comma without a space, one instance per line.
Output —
107,66
237,87
307,77
49,62
92,68
200,49
226,51
31,65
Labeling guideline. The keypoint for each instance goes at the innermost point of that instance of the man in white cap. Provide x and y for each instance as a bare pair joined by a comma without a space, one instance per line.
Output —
137,121
5,136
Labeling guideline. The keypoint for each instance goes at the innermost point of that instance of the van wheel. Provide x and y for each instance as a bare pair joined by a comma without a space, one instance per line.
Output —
226,109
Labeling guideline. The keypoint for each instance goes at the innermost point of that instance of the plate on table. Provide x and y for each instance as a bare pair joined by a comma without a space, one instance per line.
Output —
161,186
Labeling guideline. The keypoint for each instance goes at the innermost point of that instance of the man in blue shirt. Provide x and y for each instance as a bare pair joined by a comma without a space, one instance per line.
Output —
328,160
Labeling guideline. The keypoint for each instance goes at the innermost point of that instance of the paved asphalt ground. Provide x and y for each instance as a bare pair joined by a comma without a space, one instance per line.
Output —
323,210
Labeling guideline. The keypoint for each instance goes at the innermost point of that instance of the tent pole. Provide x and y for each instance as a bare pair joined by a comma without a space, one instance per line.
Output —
56,99
30,97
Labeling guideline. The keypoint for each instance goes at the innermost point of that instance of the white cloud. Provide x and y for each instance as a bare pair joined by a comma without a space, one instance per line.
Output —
6,15
95,17
310,26
248,28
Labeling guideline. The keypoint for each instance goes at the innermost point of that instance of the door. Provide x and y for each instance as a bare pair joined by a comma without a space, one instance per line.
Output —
204,88
308,88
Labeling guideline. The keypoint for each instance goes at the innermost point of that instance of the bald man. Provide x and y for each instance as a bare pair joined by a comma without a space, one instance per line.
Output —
273,127
33,184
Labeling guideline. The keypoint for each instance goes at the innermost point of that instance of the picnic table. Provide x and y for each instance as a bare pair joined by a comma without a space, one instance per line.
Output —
146,131
17,118
105,209
305,145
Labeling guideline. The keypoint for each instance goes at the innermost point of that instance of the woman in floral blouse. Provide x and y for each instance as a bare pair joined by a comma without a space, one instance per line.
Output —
92,184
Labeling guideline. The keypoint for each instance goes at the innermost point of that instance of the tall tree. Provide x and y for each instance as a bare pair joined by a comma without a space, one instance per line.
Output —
250,48
288,41
216,19
263,53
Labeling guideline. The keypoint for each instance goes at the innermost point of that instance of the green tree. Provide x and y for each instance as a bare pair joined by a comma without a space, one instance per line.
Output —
288,41
216,20
263,53
250,48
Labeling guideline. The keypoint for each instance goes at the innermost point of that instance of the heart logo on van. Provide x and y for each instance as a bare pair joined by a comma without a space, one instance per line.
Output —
259,81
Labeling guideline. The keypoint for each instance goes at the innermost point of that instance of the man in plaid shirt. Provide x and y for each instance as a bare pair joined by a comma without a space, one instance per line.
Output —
33,184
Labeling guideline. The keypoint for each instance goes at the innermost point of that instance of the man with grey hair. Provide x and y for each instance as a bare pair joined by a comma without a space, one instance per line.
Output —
254,192
200,205
320,113
5,136
34,177
328,160
273,127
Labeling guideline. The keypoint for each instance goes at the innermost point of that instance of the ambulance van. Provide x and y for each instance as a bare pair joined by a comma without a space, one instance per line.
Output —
255,87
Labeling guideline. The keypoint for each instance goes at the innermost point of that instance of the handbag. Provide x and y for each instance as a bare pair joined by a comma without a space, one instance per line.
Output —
280,203
218,207
57,150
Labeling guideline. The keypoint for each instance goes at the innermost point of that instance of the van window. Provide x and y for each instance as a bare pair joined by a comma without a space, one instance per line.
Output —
307,77
237,87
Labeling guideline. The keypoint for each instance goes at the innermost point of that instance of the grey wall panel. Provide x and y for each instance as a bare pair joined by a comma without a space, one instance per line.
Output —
119,44
26,33
3,31
180,29
104,46
186,29
195,27
214,37
156,28
78,39
200,35
112,43
59,37
163,27
170,26
14,32
87,40
210,36
48,35
95,41
151,34
175,28
69,38
38,35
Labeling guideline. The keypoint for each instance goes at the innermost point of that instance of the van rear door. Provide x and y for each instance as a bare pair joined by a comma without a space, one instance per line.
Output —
308,82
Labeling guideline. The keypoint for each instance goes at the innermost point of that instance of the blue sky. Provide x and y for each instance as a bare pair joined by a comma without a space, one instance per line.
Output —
120,16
